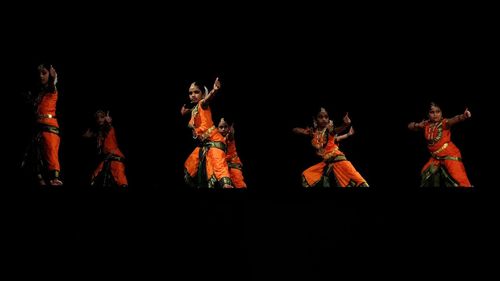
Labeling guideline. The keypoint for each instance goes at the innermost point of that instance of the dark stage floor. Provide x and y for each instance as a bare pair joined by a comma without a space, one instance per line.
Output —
307,235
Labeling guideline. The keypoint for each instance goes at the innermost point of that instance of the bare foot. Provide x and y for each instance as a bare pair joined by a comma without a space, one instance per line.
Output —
227,186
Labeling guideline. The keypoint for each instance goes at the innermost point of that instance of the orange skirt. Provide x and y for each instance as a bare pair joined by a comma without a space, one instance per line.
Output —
344,172
50,145
237,178
454,168
215,165
117,171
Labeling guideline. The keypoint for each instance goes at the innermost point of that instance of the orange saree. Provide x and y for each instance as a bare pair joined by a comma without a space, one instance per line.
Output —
334,165
49,132
445,167
206,166
235,165
112,164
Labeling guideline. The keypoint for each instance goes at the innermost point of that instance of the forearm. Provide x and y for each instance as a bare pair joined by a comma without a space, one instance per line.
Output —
301,131
413,126
457,119
342,137
209,96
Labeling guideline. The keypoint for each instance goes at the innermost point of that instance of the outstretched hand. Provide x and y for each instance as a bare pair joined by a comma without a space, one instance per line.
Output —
422,124
217,84
88,134
184,110
467,113
351,131
53,74
108,118
347,120
231,129
310,131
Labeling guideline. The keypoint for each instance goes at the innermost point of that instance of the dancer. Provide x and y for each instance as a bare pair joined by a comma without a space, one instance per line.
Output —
111,168
206,166
445,167
42,154
334,167
232,158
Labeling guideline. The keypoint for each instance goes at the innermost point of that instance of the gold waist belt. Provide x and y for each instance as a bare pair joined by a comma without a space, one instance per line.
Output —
445,145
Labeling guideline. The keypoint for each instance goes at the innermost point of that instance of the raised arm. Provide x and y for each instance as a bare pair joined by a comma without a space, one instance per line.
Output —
347,122
459,118
414,126
108,118
211,94
345,136
230,135
53,75
184,110
302,131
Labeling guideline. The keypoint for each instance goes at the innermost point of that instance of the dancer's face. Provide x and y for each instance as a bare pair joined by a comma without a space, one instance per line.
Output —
322,119
223,128
100,119
435,114
44,75
195,93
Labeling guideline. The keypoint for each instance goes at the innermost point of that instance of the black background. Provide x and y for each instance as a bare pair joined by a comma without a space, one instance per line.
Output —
277,69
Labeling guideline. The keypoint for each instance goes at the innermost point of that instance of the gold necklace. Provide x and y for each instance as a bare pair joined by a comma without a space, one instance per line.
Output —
320,138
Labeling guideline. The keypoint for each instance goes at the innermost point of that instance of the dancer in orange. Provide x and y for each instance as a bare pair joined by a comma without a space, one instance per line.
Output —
334,167
43,153
445,167
111,169
206,166
232,158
